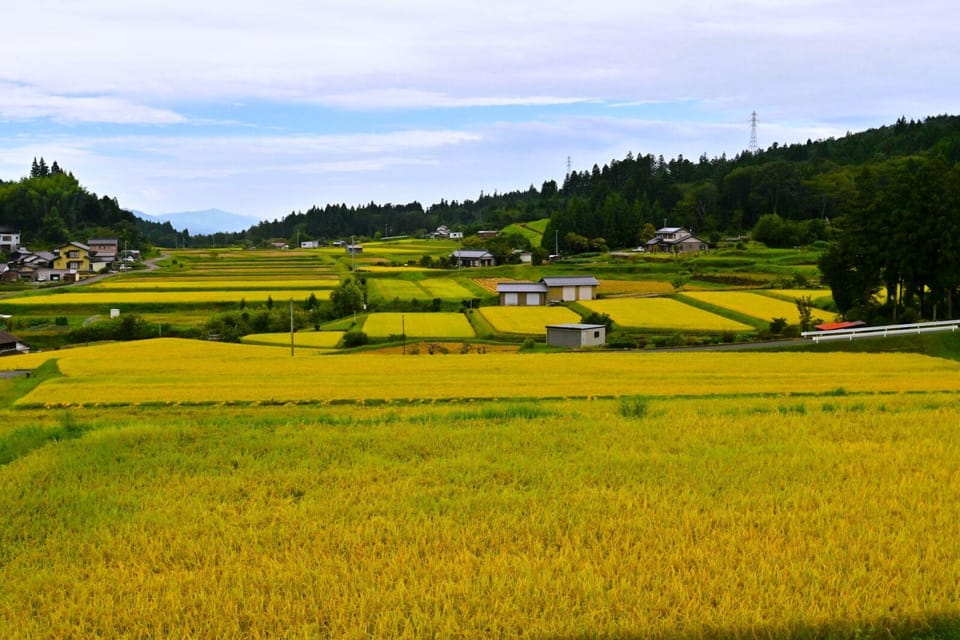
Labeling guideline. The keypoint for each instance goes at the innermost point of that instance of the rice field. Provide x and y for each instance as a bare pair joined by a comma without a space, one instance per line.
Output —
446,288
164,297
750,304
174,371
390,288
418,325
213,284
526,320
770,504
663,314
634,287
311,339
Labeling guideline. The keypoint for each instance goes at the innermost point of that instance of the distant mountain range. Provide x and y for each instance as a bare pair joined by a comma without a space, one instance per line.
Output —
204,222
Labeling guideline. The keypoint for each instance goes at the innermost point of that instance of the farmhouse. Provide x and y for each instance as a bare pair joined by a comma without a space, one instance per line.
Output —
73,256
472,258
104,246
10,344
354,249
576,335
9,239
310,244
549,289
675,240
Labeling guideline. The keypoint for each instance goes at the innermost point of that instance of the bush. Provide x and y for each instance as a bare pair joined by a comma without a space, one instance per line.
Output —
528,345
354,339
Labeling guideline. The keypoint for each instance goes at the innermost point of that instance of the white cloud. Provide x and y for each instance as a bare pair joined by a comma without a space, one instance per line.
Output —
20,102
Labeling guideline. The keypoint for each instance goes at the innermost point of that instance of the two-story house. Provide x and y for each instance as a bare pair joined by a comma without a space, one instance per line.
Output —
9,239
73,256
675,240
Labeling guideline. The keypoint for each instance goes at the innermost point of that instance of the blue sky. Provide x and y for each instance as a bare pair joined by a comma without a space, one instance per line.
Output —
266,108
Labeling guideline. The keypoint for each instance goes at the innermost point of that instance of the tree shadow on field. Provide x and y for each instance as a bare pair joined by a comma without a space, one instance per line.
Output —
934,627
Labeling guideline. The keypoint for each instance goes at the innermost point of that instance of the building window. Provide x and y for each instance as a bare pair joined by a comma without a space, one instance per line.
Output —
596,334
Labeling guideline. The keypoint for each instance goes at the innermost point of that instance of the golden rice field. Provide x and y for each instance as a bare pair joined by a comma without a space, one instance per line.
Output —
634,287
663,314
164,297
176,371
418,325
526,320
772,513
213,284
312,339
819,297
750,304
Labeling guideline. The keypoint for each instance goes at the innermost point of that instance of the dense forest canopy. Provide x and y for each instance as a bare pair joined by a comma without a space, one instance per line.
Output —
49,208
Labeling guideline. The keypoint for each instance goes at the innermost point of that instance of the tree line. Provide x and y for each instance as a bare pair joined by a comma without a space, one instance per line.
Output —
50,207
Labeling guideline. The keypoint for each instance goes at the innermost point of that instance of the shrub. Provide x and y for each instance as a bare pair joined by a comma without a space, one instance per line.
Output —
355,339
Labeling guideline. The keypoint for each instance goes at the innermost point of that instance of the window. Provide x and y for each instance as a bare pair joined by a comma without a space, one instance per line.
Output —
596,334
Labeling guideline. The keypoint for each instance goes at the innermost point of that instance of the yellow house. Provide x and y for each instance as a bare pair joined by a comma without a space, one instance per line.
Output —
73,256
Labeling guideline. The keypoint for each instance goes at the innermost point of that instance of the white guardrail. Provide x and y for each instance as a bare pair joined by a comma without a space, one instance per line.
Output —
883,332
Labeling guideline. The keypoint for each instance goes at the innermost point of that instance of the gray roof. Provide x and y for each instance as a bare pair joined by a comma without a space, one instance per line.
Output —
570,281
577,325
670,229
472,253
103,241
521,287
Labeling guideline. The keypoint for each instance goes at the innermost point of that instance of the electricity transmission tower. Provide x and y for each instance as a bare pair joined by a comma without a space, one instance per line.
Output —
753,132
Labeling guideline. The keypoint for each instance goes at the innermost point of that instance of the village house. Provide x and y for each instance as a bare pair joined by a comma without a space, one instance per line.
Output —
674,240
73,256
9,239
10,344
354,249
472,258
550,289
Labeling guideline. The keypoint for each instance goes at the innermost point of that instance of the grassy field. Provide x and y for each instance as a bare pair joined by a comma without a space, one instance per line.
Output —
721,496
526,320
418,325
662,314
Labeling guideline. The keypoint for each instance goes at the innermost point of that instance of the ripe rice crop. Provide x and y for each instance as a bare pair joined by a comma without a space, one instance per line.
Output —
418,325
164,297
527,320
313,339
214,284
662,313
170,370
750,304
509,519
634,287
446,288
819,296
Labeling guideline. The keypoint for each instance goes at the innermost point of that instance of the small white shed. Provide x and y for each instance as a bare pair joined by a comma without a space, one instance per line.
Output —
576,335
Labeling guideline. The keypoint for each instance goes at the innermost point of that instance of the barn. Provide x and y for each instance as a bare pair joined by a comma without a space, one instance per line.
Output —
576,335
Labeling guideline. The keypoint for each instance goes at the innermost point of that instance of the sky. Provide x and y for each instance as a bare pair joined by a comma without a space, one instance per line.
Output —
263,108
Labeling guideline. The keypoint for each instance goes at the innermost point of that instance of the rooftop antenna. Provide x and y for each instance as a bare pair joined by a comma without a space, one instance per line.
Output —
753,133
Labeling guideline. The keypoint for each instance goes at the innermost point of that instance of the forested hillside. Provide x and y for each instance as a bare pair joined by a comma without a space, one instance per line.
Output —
813,181
50,207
